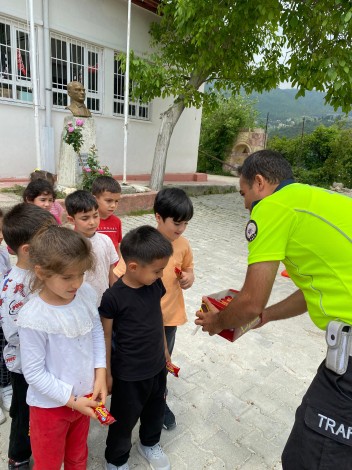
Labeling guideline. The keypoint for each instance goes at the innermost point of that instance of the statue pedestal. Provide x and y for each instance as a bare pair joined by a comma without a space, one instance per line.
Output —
70,164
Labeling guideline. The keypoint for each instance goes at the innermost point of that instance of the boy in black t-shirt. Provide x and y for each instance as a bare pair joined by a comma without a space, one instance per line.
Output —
136,349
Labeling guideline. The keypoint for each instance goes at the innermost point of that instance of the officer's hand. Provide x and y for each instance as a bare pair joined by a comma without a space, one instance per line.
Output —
209,320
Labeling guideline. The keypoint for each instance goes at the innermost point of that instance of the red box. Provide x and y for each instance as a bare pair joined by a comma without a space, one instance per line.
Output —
220,300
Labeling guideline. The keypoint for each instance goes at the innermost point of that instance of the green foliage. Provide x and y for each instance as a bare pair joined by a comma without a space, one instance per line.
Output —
93,169
320,158
219,129
242,44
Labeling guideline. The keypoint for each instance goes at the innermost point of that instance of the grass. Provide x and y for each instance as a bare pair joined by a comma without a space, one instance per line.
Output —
140,212
16,189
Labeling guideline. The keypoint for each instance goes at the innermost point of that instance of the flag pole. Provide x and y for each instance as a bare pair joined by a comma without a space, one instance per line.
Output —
33,62
126,98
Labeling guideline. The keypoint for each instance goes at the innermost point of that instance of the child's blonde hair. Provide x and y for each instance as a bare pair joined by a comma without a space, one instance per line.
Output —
56,249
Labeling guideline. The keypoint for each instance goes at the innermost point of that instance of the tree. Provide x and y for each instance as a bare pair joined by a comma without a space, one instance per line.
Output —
219,129
239,44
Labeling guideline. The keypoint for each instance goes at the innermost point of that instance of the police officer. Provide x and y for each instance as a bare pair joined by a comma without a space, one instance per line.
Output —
309,229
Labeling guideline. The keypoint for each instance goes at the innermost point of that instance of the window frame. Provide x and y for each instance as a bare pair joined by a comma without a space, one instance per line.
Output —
11,78
70,63
119,97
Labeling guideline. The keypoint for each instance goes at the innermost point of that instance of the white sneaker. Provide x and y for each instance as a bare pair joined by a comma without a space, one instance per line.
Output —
155,455
110,466
2,416
6,397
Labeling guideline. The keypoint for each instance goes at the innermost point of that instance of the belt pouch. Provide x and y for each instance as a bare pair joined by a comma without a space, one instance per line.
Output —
338,338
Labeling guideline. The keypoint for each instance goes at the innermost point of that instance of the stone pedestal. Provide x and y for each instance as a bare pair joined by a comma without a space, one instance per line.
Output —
70,164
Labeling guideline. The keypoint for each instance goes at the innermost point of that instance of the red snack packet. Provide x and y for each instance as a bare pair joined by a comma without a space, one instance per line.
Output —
102,413
220,300
178,273
174,370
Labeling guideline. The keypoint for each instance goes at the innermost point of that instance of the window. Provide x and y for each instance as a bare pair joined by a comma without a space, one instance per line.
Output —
15,70
73,60
136,109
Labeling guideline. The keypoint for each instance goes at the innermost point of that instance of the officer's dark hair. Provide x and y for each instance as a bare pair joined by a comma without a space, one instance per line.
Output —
268,163
80,201
173,202
144,245
22,222
36,188
105,183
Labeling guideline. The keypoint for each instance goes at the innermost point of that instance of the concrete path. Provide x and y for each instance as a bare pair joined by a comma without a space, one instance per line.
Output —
234,402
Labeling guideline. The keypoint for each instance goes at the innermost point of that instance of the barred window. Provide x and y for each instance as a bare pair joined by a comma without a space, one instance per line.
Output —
15,70
74,60
136,109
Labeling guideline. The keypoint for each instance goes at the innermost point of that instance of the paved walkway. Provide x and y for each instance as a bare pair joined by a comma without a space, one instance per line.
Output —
234,402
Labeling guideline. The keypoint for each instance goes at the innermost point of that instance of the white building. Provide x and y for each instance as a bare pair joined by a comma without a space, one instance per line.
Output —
79,41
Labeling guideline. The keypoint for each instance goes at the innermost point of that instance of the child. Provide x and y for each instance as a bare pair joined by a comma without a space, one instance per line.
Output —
107,192
62,348
82,210
56,209
173,210
5,381
20,224
41,193
136,350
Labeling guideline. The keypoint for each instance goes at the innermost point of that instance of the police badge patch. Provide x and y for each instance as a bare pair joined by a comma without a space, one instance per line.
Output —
251,230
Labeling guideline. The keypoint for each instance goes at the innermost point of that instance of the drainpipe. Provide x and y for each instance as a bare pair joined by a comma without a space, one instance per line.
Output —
33,62
126,98
48,137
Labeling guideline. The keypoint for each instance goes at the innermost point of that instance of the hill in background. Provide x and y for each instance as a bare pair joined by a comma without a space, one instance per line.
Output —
282,105
286,113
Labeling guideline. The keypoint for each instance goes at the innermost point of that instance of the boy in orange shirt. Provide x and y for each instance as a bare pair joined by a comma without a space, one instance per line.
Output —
173,210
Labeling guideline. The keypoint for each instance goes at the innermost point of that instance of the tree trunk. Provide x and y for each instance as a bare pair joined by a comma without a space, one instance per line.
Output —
168,122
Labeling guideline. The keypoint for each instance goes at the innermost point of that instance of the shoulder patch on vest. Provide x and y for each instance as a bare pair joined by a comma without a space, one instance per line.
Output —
251,230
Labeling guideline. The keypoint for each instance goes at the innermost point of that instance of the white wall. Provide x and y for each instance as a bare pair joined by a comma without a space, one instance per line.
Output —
103,23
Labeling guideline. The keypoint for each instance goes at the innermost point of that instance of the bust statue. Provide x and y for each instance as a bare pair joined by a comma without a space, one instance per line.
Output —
77,93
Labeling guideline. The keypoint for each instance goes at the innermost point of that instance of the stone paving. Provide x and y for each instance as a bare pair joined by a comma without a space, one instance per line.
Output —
234,402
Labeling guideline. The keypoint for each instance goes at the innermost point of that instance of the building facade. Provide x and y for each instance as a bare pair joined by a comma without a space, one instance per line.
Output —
80,41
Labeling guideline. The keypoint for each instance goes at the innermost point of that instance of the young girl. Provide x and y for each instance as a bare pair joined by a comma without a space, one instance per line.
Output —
62,349
56,209
41,193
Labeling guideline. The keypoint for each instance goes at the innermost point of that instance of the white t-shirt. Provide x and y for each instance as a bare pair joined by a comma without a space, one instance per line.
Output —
60,347
105,255
14,294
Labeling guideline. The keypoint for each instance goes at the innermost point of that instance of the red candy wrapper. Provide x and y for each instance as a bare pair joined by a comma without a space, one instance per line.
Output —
220,300
102,413
178,273
174,370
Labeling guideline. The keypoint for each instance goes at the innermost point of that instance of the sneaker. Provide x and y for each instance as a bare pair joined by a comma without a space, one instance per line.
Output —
156,457
21,465
2,416
169,419
6,397
110,466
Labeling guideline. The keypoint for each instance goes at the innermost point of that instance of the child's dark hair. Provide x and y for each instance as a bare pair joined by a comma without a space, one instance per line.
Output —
1,213
36,188
145,244
43,175
105,183
55,249
22,222
80,201
173,202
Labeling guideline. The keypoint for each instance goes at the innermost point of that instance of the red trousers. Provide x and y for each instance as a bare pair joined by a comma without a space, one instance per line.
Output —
58,435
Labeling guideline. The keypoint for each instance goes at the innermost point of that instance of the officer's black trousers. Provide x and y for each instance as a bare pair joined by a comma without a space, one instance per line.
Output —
321,438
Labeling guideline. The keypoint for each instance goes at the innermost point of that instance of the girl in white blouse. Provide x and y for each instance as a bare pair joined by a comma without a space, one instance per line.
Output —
62,350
